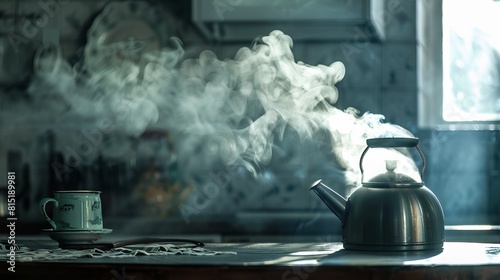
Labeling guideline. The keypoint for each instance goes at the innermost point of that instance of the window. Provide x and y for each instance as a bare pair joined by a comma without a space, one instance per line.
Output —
459,64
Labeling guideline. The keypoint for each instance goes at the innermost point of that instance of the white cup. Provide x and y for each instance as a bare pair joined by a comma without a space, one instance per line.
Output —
74,210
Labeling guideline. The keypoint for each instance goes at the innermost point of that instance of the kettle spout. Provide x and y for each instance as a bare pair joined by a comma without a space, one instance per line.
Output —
331,198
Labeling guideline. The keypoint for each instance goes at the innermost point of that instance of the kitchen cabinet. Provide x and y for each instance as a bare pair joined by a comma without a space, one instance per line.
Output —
458,260
318,20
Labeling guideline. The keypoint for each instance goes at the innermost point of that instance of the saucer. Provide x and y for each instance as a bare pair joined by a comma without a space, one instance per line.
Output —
76,236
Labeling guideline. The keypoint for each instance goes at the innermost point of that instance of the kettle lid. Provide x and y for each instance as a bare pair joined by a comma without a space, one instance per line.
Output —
392,178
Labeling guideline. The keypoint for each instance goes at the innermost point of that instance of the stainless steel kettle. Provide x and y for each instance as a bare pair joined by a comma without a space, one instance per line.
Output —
391,211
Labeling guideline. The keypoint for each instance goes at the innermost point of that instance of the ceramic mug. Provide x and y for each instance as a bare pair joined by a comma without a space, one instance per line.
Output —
74,210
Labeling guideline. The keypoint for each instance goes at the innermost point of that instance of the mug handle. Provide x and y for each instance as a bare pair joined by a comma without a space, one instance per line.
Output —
42,204
51,52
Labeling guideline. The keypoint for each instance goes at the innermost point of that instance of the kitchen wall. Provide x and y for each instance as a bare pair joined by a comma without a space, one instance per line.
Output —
463,167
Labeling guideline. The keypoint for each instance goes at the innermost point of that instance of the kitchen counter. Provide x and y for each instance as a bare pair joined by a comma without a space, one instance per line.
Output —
458,260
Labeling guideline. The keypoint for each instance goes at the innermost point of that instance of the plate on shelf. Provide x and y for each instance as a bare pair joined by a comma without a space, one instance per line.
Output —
76,236
122,34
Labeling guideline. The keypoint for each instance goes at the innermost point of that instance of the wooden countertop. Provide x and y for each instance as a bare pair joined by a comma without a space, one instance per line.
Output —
273,261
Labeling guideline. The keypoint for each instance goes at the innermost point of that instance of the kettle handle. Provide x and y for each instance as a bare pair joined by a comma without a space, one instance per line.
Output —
393,143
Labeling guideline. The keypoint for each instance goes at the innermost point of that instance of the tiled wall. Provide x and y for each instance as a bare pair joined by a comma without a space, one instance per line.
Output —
462,171
463,167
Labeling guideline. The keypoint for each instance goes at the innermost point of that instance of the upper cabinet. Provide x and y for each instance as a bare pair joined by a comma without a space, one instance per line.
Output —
315,20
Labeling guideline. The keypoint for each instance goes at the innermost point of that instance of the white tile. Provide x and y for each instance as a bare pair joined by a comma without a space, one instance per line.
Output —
399,65
464,151
400,107
361,60
400,20
363,100
463,193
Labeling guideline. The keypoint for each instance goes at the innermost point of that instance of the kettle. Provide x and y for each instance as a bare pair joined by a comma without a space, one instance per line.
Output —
391,210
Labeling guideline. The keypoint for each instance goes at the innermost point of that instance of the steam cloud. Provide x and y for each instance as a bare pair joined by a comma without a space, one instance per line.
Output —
236,108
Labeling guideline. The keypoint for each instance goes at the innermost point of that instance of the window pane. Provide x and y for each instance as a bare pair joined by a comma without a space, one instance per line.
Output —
471,60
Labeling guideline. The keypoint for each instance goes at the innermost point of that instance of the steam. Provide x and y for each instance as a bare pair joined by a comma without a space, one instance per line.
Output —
236,108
